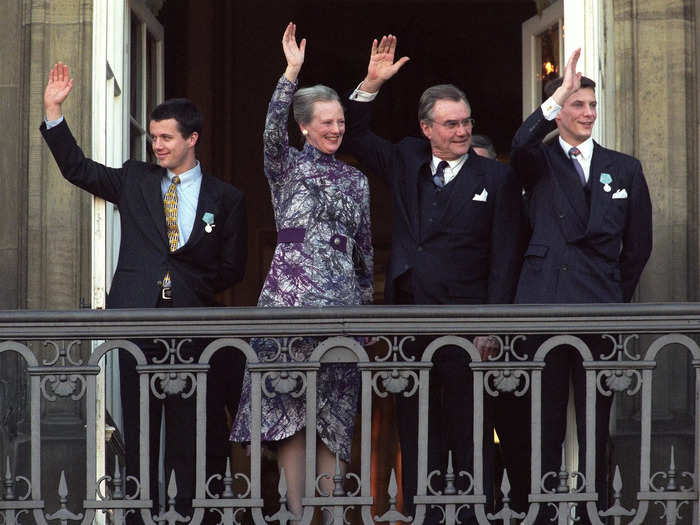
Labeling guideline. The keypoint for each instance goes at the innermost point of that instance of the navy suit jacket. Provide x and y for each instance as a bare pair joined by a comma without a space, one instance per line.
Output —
472,254
206,264
580,253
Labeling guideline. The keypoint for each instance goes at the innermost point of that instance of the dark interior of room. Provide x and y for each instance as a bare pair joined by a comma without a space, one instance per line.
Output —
226,56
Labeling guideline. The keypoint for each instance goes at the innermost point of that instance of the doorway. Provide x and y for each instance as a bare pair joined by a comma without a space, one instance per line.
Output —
227,57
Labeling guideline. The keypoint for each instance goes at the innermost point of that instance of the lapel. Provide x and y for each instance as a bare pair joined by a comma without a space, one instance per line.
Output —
566,179
150,187
600,199
469,180
207,202
408,188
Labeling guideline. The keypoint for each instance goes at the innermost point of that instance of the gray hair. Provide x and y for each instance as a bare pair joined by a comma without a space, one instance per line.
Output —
303,101
434,93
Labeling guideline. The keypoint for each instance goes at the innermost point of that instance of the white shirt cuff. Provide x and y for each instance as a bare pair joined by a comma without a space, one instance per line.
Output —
550,108
53,123
362,96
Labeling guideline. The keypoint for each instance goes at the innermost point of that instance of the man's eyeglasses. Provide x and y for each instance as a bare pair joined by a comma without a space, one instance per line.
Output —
467,123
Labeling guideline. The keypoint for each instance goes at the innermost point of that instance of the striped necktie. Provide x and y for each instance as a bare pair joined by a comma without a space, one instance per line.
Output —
573,153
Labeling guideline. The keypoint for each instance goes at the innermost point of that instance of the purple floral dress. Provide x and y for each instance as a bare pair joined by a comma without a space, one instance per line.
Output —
323,257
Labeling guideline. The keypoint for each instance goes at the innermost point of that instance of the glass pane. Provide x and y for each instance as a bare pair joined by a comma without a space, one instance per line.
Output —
549,67
136,143
136,71
152,72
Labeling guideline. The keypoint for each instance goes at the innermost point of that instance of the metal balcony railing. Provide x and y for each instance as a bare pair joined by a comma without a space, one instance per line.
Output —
47,343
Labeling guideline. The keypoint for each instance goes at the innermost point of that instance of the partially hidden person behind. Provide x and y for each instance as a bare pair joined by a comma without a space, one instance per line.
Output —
183,239
456,239
590,213
323,257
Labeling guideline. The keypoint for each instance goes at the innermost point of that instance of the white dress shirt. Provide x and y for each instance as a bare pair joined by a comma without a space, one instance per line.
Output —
550,109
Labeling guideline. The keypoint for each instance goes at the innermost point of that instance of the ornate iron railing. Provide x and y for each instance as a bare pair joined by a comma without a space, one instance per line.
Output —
638,334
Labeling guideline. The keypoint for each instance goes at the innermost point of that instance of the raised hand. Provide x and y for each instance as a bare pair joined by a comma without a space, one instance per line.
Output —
293,53
381,63
57,90
571,79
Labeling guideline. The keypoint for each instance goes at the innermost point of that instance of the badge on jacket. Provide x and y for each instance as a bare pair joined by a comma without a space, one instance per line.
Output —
208,219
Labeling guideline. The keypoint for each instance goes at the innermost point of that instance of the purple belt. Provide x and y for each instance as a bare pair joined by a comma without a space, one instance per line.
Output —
338,242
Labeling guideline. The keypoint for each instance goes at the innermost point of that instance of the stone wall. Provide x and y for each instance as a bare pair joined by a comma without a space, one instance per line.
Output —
44,221
656,115
656,120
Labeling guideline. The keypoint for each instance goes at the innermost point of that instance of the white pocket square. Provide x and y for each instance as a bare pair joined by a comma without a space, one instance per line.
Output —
620,194
481,196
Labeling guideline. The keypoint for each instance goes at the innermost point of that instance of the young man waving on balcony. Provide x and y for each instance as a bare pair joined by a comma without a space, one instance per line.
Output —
590,214
183,239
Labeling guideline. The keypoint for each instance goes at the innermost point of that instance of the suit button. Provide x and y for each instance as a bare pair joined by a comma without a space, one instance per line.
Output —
420,248
430,220
336,241
561,215
564,267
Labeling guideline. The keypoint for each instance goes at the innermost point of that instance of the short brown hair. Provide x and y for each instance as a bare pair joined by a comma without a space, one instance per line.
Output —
551,86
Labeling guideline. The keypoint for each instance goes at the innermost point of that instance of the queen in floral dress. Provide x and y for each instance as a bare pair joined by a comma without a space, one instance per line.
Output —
323,257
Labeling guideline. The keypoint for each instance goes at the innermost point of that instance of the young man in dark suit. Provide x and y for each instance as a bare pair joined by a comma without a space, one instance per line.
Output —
590,214
455,240
183,239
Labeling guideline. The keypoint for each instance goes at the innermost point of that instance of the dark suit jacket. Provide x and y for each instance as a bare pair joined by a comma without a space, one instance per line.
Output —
580,253
206,264
471,255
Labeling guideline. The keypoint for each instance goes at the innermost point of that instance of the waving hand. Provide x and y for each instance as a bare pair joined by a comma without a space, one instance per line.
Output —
293,53
57,90
381,64
571,79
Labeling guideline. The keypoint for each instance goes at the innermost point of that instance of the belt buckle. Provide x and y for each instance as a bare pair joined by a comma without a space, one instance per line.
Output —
166,294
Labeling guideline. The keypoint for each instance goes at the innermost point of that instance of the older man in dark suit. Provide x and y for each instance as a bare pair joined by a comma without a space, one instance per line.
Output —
590,214
183,239
456,240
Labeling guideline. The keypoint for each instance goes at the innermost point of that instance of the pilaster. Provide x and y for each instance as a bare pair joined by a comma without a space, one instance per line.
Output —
58,214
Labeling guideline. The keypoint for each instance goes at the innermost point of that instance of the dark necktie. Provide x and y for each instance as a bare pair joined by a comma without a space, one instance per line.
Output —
439,177
573,153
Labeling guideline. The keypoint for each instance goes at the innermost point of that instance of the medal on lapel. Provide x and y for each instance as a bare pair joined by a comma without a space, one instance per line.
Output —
208,218
606,179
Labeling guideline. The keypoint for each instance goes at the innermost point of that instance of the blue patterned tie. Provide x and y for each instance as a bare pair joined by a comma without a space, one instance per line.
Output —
439,177
573,153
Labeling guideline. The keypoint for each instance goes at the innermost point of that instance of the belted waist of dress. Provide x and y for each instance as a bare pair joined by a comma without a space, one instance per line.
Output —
337,241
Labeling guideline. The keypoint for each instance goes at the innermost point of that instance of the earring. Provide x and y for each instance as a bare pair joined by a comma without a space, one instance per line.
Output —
305,132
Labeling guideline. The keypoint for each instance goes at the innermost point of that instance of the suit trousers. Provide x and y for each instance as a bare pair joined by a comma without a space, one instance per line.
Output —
450,428
223,391
562,363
